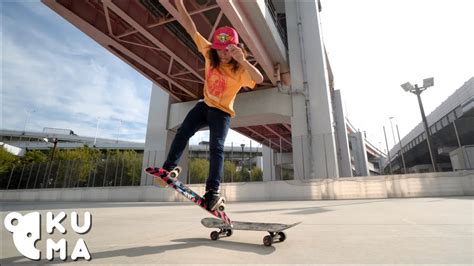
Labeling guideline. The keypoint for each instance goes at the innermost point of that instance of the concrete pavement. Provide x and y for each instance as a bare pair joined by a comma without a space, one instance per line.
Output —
376,231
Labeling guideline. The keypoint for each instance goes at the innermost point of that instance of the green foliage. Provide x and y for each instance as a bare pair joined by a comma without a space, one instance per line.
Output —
256,174
198,171
229,171
35,157
287,174
82,154
242,175
71,168
7,161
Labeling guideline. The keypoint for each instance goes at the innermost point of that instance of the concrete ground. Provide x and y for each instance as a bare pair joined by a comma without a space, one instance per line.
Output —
377,231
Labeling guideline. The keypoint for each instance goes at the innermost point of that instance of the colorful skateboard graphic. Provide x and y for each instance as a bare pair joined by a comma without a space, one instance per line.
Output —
172,181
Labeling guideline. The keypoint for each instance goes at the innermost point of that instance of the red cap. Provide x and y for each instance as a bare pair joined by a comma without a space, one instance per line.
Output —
224,37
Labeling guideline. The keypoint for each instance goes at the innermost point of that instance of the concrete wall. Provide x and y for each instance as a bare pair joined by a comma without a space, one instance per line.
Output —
395,186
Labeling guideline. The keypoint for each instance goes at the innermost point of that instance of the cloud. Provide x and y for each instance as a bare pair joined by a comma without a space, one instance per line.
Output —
67,79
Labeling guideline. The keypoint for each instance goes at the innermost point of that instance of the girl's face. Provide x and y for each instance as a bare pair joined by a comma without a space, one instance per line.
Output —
224,56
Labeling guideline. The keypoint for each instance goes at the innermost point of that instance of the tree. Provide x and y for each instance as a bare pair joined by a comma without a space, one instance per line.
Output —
198,170
7,163
35,157
242,176
256,174
229,171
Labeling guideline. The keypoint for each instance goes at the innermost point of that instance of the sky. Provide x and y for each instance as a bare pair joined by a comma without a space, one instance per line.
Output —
53,75
374,46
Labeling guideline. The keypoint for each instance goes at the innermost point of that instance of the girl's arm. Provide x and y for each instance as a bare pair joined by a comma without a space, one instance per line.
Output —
238,55
253,71
185,18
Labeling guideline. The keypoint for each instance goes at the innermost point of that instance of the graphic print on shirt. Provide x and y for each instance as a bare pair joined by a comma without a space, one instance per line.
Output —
216,84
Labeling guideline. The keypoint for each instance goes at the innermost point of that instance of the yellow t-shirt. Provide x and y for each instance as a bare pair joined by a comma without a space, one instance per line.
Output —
221,84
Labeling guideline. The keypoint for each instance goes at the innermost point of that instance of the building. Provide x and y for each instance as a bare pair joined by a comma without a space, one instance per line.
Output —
451,126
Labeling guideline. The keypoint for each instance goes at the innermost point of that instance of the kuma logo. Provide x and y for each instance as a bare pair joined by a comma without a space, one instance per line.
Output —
26,230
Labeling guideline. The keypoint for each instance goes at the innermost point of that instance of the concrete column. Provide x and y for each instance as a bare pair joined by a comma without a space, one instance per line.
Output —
158,137
314,151
269,169
360,154
343,152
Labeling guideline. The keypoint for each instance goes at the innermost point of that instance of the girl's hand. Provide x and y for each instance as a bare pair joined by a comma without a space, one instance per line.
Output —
236,53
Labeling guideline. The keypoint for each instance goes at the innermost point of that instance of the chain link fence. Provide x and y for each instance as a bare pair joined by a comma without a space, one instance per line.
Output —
114,170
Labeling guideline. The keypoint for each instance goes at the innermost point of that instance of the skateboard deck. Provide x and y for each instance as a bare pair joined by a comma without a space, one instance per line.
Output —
189,194
275,230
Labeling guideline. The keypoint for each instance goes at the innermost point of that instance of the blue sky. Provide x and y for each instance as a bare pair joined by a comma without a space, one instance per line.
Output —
64,79
57,76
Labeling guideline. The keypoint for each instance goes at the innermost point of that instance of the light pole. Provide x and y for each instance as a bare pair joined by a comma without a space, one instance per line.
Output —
401,151
96,131
242,145
28,113
388,151
393,134
118,131
428,82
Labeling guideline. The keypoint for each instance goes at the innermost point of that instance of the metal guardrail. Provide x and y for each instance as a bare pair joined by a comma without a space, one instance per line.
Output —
277,19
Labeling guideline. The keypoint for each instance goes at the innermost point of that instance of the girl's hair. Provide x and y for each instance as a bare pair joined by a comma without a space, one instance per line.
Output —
215,61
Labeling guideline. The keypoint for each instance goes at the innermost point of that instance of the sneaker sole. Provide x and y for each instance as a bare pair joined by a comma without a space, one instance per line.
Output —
218,202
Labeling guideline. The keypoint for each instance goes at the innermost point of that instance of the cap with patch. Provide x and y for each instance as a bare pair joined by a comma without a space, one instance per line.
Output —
224,37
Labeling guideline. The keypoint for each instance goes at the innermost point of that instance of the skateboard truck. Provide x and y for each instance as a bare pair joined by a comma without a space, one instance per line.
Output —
275,230
222,232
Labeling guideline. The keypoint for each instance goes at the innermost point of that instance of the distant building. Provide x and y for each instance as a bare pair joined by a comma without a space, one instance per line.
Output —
451,126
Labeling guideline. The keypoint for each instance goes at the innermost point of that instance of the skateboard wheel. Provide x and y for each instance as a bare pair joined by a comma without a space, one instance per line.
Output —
221,207
174,174
282,236
228,232
214,235
267,241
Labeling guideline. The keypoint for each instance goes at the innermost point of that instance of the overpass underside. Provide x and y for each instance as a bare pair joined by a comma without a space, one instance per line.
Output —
288,116
146,35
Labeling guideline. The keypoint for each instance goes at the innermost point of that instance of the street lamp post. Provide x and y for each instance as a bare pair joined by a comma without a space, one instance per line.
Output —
242,145
401,152
96,131
118,131
408,87
393,134
388,151
28,113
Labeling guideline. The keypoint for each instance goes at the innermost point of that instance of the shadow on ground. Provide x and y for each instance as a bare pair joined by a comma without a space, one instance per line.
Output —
182,244
307,210
54,205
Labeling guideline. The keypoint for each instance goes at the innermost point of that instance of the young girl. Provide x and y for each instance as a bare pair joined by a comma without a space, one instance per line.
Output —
226,71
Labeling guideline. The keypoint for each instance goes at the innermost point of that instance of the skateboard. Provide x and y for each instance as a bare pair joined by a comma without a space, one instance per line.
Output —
275,230
172,181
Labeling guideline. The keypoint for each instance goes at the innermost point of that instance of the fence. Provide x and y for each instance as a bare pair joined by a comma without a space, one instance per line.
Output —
111,171
447,134
276,158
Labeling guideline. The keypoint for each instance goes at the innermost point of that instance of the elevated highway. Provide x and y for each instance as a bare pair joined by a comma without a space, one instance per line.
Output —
293,111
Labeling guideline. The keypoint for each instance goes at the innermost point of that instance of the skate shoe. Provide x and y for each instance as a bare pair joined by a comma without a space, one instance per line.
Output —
214,200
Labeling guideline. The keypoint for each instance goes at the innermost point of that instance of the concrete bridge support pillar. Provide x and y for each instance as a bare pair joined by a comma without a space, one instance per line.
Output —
269,169
158,137
343,152
312,123
360,154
